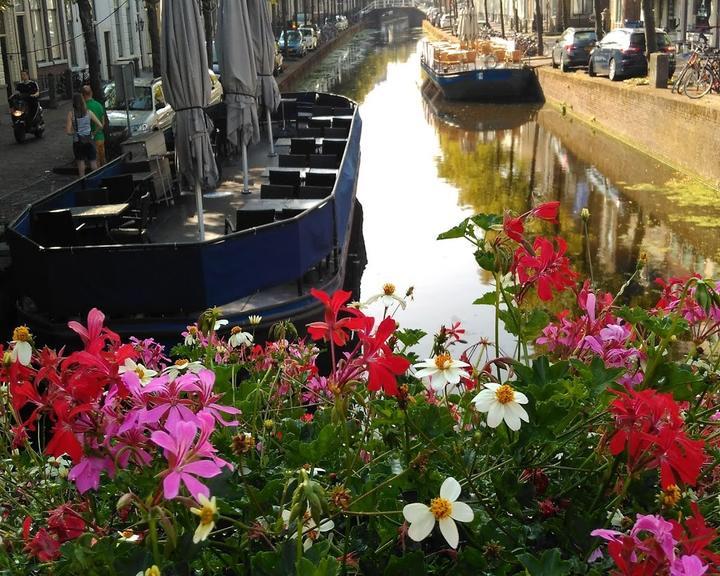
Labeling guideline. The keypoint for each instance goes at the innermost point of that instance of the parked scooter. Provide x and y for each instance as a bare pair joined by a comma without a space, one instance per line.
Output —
24,121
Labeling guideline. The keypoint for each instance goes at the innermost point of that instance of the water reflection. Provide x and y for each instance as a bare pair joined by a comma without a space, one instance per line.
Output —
427,164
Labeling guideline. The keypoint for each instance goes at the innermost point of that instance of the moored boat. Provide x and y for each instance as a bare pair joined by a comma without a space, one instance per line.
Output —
248,264
480,71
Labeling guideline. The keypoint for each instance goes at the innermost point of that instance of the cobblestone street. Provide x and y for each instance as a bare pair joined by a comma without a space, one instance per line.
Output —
26,168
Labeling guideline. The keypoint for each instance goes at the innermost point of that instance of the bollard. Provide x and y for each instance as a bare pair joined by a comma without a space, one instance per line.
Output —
52,91
659,69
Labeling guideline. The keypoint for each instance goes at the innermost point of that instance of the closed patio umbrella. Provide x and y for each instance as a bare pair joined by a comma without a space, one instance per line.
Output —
264,47
467,23
186,85
238,74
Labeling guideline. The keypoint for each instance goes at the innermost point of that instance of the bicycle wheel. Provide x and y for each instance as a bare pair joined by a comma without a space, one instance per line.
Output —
698,82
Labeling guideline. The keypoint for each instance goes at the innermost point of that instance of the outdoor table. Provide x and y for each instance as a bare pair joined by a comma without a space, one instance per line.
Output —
99,211
278,204
285,142
303,171
343,117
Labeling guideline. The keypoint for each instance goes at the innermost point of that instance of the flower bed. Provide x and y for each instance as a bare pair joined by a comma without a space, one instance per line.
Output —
591,448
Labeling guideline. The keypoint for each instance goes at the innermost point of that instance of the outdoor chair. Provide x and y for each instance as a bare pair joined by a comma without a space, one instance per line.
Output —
320,122
324,161
313,192
318,110
285,178
91,197
55,228
315,179
335,132
342,112
293,160
133,228
247,219
120,188
309,132
302,145
342,123
336,147
277,192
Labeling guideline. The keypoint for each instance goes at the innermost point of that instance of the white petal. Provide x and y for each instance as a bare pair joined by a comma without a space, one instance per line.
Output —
426,372
518,411
520,398
307,544
484,402
452,375
462,512
450,489
326,525
421,528
450,531
511,420
495,415
492,386
415,512
24,353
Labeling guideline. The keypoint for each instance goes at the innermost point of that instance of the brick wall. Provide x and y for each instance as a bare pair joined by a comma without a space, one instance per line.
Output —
682,132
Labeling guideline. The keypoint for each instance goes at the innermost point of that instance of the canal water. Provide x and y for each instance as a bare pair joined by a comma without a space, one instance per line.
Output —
427,164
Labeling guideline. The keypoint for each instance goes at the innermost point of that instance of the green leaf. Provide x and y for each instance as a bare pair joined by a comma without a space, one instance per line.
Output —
455,232
413,563
487,299
410,337
328,566
632,315
679,380
534,324
486,260
486,221
549,564
596,376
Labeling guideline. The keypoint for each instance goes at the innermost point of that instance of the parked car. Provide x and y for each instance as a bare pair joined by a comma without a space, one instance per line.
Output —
341,23
147,106
573,48
295,43
621,54
279,65
309,37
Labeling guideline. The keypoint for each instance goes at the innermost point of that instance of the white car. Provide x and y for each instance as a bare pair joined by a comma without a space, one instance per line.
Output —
147,107
341,23
310,37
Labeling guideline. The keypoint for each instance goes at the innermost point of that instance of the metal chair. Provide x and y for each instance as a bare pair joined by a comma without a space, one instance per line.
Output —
335,132
120,188
91,197
276,192
309,132
292,160
336,147
342,123
323,161
285,178
246,219
133,229
320,123
302,146
318,110
315,179
313,192
54,228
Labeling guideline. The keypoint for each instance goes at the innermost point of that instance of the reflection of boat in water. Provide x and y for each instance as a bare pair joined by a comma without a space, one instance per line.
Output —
482,71
478,117
280,247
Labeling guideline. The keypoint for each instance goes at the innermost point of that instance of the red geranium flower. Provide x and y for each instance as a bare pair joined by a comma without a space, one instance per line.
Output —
334,329
546,269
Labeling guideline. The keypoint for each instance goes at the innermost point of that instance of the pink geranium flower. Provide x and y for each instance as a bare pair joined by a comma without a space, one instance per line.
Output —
185,456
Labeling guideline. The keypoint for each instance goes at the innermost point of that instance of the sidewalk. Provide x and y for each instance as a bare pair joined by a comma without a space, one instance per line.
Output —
27,168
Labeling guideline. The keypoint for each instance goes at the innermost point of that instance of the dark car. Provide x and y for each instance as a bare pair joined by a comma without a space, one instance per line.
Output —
621,54
573,48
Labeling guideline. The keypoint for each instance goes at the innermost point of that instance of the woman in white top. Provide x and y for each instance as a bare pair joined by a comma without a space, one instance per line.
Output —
79,126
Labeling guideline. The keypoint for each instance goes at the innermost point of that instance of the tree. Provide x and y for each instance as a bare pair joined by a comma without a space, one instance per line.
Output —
599,32
502,19
649,17
208,11
153,22
539,28
85,10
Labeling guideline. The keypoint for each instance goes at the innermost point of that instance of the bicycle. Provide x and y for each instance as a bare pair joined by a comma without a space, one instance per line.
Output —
693,63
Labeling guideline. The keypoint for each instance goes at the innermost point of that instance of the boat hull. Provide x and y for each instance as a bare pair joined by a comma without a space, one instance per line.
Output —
487,85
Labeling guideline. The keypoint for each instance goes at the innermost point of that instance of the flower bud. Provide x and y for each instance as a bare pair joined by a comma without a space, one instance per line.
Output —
585,214
124,501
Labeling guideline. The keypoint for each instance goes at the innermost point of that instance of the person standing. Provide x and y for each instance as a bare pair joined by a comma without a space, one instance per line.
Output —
98,133
79,125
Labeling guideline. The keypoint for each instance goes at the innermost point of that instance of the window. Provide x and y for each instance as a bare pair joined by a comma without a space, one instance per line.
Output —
129,25
37,23
118,30
582,7
53,25
69,22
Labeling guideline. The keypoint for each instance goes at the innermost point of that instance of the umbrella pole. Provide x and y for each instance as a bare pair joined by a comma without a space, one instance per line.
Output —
246,188
270,134
199,203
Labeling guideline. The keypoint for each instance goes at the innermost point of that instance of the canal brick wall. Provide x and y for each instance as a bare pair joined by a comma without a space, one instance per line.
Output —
296,69
681,132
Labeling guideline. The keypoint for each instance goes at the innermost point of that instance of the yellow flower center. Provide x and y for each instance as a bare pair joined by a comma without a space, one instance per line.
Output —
389,289
192,330
440,508
128,533
671,495
152,571
140,372
443,361
236,330
21,334
505,394
207,516
182,362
